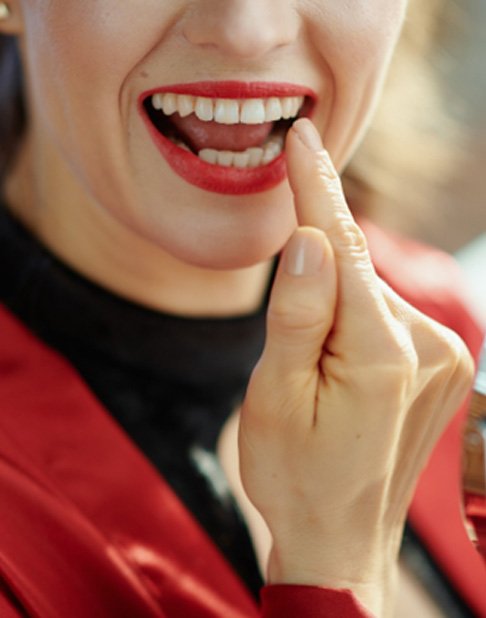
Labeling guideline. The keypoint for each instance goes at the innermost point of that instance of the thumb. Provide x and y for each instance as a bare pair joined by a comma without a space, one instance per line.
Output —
302,304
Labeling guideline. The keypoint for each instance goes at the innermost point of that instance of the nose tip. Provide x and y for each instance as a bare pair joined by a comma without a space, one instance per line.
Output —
241,28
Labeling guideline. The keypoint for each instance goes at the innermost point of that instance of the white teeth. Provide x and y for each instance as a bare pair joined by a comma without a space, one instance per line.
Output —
185,105
297,104
228,111
204,109
225,158
272,150
256,156
287,107
169,104
209,155
251,157
252,111
241,159
157,101
273,109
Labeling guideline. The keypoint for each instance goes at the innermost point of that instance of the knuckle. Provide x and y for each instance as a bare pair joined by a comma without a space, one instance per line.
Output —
348,237
450,348
449,356
460,359
456,369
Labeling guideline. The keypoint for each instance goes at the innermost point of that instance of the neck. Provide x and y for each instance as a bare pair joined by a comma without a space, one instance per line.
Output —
102,249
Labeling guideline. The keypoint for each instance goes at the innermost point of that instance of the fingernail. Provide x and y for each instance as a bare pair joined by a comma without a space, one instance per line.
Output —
304,256
308,134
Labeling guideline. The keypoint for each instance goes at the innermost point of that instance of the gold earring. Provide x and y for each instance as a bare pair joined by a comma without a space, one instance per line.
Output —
4,11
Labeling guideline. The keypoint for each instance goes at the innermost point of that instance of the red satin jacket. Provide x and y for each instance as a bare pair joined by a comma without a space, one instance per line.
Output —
88,528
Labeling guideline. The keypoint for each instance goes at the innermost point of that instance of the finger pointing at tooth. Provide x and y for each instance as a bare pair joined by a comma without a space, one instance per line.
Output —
342,410
320,202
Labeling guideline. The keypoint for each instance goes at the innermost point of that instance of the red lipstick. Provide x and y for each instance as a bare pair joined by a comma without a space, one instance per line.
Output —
217,178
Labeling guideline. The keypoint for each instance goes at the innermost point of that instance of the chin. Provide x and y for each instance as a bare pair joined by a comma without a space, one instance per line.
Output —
231,245
233,251
213,231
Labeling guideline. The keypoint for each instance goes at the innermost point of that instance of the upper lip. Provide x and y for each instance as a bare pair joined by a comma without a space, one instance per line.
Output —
235,90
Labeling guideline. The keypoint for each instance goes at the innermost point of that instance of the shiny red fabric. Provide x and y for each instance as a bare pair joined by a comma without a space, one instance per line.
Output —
89,528
297,601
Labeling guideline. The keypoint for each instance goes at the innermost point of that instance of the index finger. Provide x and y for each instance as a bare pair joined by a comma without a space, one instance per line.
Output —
320,203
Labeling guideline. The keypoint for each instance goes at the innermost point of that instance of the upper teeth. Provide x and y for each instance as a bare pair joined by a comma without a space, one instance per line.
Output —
228,111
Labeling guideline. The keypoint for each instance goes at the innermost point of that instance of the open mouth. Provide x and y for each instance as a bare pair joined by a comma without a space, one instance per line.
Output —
242,133
225,136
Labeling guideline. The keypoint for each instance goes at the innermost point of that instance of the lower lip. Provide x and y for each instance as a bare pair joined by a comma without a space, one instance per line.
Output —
216,178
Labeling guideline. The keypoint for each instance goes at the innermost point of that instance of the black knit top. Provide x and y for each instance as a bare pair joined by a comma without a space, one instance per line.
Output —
170,382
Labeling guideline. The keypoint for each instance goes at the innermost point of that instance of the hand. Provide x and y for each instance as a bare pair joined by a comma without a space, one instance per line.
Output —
352,391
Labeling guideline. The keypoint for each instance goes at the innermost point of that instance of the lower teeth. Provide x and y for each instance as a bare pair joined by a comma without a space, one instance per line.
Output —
249,158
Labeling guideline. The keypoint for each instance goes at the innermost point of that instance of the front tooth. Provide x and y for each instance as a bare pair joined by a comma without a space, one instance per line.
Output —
225,157
204,109
185,105
241,159
209,155
273,109
227,111
256,156
169,103
252,111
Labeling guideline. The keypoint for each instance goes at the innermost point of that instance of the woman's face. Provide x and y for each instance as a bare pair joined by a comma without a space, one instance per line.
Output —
225,72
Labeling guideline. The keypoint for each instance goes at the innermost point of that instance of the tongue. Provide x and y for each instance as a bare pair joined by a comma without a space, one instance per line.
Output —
237,137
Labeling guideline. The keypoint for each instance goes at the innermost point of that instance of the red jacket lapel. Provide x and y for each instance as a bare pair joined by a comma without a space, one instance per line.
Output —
68,463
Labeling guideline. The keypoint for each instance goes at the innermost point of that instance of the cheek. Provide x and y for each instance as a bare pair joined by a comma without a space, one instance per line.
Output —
79,55
354,39
94,37
357,36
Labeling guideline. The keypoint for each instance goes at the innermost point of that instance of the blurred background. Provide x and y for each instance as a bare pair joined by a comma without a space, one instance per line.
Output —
461,64
463,230
421,170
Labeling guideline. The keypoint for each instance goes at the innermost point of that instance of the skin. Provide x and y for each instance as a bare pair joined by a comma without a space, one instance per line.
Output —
94,189
87,64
